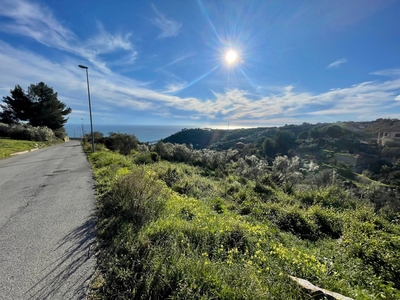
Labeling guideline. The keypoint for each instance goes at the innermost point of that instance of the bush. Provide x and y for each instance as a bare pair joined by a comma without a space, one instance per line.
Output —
143,158
327,197
27,132
137,197
170,177
121,142
4,130
328,222
292,220
376,248
262,190
60,133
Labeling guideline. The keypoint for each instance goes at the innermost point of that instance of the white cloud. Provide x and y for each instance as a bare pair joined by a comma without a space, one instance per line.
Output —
337,63
168,27
37,22
112,92
105,42
387,72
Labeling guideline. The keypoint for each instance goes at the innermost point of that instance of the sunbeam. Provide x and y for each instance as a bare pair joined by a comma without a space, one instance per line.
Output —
196,80
247,77
203,10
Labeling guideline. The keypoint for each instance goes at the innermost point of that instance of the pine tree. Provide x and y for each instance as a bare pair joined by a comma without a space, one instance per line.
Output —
39,106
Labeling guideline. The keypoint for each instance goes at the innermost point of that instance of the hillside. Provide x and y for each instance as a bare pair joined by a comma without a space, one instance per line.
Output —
225,139
182,223
326,144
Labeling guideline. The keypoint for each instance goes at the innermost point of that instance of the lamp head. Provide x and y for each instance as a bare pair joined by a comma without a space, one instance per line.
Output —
82,67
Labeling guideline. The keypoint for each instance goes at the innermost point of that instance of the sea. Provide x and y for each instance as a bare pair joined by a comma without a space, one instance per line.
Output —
144,133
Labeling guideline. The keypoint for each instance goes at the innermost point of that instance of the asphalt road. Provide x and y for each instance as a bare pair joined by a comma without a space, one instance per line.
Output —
46,224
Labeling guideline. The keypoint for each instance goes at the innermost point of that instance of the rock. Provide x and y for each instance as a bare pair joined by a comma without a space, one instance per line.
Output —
317,292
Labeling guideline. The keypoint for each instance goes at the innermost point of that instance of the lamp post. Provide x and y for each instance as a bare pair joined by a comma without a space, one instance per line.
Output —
90,106
83,128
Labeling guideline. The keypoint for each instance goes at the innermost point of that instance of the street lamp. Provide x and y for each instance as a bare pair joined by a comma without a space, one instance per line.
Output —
90,106
83,127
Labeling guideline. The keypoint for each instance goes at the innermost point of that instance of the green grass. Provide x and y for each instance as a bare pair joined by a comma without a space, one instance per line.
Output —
8,146
173,231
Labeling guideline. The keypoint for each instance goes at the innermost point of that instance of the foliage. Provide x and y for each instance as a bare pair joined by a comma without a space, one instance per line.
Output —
269,148
143,158
122,142
286,170
27,132
303,135
334,131
284,141
230,232
39,106
98,137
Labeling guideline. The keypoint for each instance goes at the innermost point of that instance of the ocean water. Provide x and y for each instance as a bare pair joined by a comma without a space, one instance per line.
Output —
145,133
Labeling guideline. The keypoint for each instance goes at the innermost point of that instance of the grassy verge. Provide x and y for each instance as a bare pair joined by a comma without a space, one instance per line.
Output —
170,231
8,146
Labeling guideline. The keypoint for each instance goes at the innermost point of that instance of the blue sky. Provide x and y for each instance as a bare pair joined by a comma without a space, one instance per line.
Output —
164,62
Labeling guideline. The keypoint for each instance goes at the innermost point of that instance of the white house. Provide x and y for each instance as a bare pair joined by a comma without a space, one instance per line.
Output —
388,135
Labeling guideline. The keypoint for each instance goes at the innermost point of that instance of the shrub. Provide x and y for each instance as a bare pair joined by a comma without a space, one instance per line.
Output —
154,156
170,177
184,187
181,153
60,133
27,132
218,205
375,248
121,142
143,158
4,130
137,197
292,220
330,197
264,191
328,222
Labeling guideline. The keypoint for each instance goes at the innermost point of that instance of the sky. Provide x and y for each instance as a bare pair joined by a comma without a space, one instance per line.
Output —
207,62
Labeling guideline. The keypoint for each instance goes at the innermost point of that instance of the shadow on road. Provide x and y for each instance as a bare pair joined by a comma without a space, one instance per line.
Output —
71,270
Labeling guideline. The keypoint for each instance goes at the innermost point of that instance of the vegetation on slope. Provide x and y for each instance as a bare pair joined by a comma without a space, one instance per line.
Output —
186,224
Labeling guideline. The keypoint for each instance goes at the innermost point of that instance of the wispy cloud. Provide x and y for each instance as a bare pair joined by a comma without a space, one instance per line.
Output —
105,42
38,22
168,27
387,72
337,63
114,93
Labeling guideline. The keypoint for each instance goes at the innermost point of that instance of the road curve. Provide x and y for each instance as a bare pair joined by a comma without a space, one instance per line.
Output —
47,223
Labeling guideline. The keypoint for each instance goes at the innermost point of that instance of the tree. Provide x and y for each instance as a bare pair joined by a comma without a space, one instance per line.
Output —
284,140
269,148
39,106
334,131
302,135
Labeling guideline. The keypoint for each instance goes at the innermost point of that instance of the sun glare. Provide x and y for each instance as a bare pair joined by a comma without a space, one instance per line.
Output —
231,57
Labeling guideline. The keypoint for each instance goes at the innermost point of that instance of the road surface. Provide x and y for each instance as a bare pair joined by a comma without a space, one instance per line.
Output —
46,224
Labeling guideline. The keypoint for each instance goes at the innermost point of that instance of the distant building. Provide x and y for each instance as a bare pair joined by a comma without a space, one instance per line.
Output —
357,162
392,134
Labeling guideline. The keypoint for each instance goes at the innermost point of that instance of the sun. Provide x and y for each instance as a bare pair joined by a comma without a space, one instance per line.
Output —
231,57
